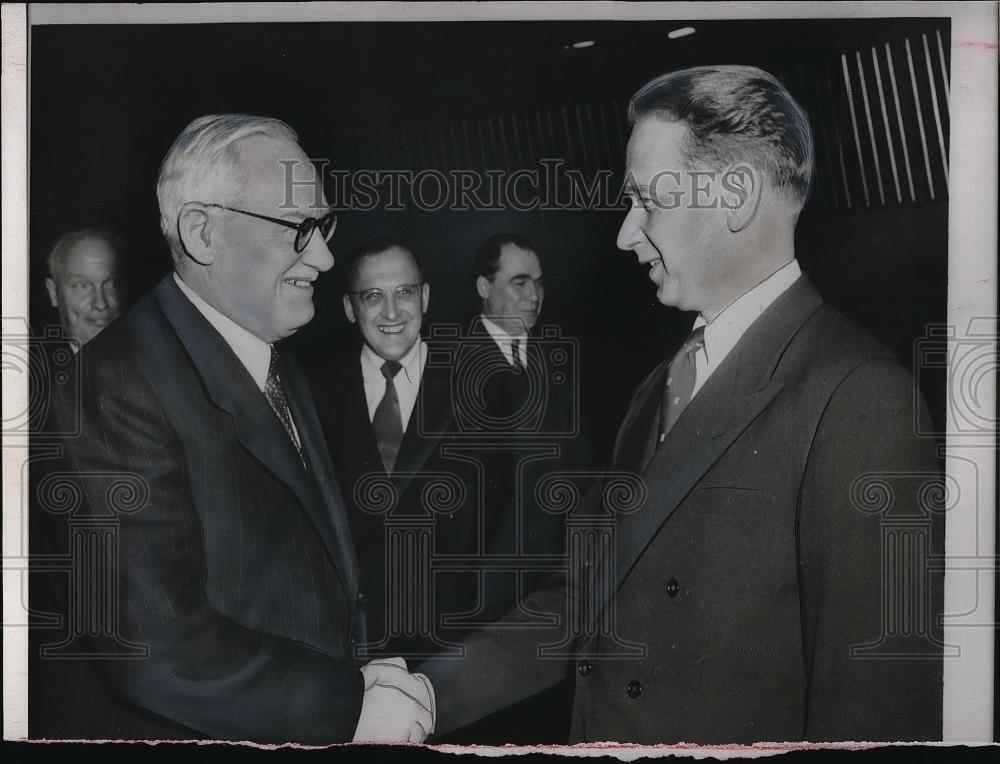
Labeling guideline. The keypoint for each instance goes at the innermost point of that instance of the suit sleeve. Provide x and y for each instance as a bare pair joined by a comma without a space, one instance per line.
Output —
866,530
503,664
203,670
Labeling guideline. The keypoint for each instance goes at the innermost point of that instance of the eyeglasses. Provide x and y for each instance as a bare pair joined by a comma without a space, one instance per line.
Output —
303,230
374,298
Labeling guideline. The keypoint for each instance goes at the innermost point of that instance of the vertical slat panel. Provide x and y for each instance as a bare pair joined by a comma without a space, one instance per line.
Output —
920,118
529,142
482,143
580,131
441,140
494,152
825,138
937,113
606,136
854,127
836,132
886,126
519,160
567,136
504,142
899,120
469,164
944,71
871,128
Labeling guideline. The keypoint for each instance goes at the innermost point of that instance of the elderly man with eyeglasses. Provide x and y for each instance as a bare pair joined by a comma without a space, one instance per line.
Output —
232,605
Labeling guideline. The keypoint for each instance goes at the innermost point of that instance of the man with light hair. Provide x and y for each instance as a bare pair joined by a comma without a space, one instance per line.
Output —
773,581
84,282
233,581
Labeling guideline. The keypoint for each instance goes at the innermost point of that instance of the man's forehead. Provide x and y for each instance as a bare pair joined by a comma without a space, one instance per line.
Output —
89,254
517,259
655,146
277,170
392,265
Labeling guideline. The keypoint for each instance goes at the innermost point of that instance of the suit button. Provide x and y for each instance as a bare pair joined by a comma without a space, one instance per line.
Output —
634,689
673,587
584,668
362,598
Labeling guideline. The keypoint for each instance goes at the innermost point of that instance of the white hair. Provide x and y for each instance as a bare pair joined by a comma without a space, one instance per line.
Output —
204,165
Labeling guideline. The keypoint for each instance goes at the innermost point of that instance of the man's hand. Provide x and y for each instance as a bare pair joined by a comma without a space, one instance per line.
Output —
398,706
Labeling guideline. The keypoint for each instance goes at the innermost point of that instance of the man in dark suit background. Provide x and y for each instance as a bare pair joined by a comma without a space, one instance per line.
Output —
85,287
763,571
387,418
231,604
516,399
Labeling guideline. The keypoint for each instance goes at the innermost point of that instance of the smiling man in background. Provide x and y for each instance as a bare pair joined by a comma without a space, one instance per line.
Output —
387,416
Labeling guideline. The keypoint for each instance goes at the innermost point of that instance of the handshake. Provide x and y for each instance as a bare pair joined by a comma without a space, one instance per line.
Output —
398,706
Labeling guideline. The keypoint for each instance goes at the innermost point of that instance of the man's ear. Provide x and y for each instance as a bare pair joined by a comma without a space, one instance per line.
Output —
744,185
195,231
53,292
349,309
483,286
425,297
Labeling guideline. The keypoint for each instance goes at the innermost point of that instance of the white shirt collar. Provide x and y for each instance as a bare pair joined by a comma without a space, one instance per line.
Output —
253,352
406,383
504,340
722,334
371,363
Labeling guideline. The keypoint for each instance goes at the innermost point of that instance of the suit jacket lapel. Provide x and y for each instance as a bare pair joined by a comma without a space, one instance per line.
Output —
229,385
329,515
637,435
354,428
739,390
430,418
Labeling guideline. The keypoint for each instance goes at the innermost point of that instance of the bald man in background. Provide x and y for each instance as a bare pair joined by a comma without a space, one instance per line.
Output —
84,282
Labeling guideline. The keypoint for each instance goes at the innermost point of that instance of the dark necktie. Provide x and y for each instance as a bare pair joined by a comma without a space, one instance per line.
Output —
388,422
515,354
680,382
275,393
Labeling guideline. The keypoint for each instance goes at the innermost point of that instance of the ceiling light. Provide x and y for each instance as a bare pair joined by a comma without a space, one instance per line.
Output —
582,44
682,32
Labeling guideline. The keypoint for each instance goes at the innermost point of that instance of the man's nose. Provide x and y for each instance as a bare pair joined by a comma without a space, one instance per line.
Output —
389,308
100,298
629,235
317,254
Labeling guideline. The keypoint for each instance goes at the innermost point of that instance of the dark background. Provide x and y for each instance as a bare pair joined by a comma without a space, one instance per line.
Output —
107,101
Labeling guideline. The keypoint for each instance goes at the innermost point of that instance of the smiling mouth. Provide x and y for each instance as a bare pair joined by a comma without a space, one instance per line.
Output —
300,283
391,328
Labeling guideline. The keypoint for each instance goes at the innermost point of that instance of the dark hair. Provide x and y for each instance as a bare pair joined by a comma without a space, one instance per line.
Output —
735,113
376,247
488,254
57,255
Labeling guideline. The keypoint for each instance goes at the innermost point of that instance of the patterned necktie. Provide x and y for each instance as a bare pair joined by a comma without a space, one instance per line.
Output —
680,382
388,422
515,354
275,393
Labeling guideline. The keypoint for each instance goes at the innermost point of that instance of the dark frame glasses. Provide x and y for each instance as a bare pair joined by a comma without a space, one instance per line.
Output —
303,231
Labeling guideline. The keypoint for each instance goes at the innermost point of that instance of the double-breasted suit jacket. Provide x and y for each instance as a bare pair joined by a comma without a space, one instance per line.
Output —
754,577
231,567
